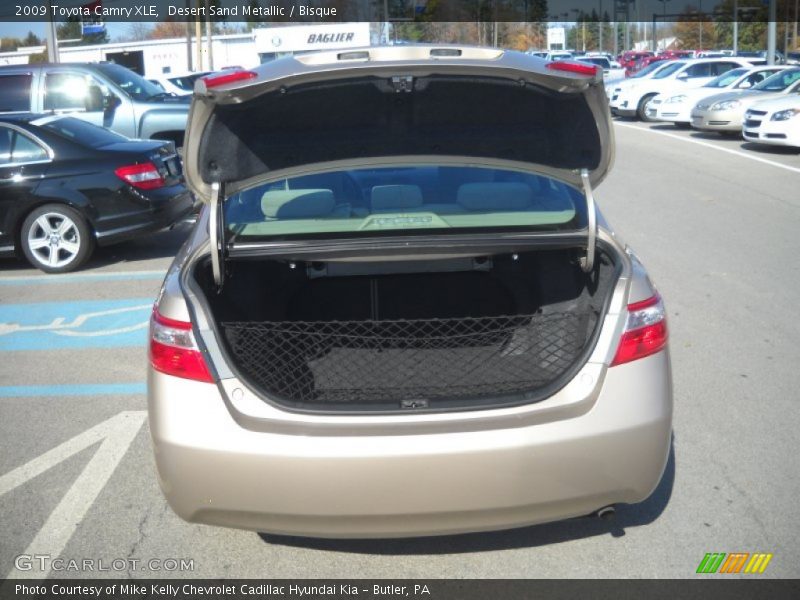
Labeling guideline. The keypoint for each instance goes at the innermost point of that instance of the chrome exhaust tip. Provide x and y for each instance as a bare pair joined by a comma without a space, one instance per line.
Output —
607,513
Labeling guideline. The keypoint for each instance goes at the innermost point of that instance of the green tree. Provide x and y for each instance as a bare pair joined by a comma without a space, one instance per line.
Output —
31,40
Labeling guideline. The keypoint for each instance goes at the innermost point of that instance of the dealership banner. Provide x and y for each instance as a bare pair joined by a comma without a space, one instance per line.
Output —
300,11
386,589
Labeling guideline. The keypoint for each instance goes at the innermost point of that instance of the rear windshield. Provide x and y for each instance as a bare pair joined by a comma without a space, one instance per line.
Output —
80,132
187,81
602,62
385,200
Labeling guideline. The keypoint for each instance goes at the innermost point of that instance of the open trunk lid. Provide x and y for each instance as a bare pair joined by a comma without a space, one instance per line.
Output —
413,105
301,113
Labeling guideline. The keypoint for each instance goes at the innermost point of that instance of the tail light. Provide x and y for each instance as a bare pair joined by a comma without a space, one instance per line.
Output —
144,176
213,81
573,67
645,331
174,351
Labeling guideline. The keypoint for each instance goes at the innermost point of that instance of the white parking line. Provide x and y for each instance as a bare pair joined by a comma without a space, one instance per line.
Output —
116,435
710,145
154,272
42,278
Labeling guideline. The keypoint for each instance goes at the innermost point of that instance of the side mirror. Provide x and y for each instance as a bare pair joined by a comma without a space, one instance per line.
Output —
683,76
110,102
745,84
93,101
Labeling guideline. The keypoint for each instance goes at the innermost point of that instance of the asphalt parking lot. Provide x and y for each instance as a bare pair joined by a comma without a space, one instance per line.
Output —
716,222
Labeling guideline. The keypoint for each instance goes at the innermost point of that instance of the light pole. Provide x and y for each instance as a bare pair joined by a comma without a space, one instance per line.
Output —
664,12
52,36
600,25
583,27
772,31
700,16
735,27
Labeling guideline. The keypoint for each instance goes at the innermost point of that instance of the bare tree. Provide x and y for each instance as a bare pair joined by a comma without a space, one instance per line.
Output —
136,32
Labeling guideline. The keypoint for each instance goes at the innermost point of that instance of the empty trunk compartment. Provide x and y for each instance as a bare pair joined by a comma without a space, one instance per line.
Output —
425,334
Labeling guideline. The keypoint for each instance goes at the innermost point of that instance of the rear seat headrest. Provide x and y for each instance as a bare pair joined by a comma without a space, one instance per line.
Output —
388,197
495,196
297,204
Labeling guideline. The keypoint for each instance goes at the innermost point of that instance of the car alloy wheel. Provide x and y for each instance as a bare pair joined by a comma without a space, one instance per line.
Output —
641,110
56,239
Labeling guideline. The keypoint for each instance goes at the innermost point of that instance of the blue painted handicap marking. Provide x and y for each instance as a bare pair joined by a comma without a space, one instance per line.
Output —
83,324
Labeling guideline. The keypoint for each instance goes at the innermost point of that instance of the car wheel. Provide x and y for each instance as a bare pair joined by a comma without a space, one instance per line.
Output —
56,238
641,110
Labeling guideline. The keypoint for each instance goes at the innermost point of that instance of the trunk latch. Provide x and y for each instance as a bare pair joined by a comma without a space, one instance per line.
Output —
417,403
403,83
587,261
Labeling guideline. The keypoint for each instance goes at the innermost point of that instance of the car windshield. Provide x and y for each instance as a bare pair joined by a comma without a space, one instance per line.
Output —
412,199
648,69
80,131
129,82
669,70
726,79
779,81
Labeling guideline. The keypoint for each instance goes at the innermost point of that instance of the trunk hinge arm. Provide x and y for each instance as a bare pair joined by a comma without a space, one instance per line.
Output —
216,232
587,261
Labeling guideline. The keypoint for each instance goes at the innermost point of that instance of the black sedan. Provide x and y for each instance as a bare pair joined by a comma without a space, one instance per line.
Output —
66,185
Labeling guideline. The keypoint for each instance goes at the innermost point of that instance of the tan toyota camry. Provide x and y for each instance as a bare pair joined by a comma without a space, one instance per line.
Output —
400,312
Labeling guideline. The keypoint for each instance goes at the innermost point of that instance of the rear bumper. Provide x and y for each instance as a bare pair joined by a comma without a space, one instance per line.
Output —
213,470
165,208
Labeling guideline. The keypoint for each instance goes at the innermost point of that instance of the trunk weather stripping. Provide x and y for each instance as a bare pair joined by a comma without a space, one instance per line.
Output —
216,232
587,262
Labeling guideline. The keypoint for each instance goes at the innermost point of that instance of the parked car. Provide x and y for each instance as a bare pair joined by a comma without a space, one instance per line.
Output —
724,113
614,89
675,54
559,55
629,58
178,84
677,108
793,58
104,94
423,333
759,57
675,77
775,122
67,185
612,70
642,63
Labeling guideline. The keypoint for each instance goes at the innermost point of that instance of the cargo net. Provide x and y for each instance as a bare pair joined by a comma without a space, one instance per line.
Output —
397,361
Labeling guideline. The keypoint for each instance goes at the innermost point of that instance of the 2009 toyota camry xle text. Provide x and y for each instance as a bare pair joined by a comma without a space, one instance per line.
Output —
400,312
